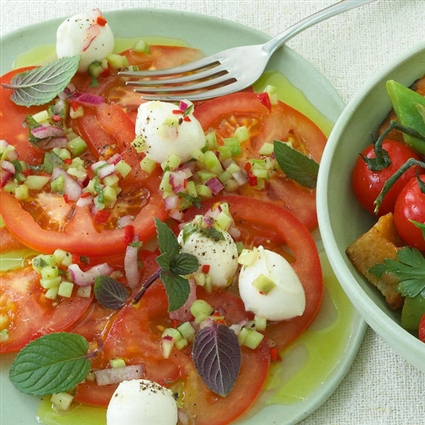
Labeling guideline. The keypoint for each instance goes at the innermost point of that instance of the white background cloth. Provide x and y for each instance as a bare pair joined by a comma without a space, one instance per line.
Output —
349,50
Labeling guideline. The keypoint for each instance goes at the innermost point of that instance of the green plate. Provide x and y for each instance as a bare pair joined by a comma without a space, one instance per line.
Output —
314,366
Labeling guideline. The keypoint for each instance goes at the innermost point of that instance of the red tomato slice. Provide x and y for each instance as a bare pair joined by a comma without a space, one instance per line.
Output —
280,122
8,242
30,313
273,226
12,118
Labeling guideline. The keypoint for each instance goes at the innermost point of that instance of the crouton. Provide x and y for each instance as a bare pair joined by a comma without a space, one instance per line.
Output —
380,242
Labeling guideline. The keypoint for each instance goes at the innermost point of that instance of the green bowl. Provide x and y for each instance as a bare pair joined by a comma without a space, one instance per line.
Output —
342,219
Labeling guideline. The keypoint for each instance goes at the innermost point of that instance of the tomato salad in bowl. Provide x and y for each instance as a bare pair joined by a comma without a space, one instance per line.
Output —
135,256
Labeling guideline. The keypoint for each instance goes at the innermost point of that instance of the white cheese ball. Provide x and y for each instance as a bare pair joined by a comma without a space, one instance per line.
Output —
142,402
285,300
82,35
156,125
221,256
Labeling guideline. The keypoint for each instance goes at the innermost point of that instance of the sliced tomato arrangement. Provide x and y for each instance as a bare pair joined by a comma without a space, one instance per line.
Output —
279,217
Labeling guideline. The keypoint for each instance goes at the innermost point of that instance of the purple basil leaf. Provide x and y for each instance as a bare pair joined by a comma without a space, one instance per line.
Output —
217,357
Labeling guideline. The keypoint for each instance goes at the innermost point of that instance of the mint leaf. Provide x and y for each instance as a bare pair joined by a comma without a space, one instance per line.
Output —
217,357
166,239
184,264
409,268
296,165
51,364
40,85
177,289
110,293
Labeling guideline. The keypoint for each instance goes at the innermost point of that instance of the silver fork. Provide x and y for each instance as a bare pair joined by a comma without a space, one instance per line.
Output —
228,71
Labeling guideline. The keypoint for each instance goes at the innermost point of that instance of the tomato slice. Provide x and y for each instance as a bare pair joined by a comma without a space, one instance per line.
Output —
279,122
270,225
29,313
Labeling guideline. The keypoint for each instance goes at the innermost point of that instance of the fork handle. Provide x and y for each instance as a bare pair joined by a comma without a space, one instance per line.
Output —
335,9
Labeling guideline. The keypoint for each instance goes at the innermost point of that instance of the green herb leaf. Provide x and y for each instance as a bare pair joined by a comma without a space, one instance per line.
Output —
110,293
409,268
177,289
184,264
40,85
296,165
217,357
51,364
51,161
166,239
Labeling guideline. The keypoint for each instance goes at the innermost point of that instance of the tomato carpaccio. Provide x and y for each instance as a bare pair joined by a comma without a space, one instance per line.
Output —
279,215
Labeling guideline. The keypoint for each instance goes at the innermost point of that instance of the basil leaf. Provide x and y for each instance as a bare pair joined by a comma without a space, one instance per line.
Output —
110,293
166,239
40,85
217,357
184,263
177,289
296,165
51,364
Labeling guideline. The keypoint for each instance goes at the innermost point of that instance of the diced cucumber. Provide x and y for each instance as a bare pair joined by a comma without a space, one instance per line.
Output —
123,168
41,116
49,272
264,284
36,182
172,333
242,134
267,149
62,401
84,291
212,163
117,362
77,146
65,289
250,338
141,46
22,192
260,323
4,335
58,184
187,330
117,61
201,310
171,162
147,165
50,283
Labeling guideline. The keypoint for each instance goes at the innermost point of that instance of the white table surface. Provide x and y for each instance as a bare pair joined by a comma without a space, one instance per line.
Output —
380,388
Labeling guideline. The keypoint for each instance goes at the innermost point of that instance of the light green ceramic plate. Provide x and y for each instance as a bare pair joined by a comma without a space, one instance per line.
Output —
314,366
341,217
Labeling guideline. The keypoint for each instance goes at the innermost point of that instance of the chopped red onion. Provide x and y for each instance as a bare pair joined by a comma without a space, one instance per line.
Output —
72,187
105,170
5,176
115,159
171,202
57,142
8,166
88,277
85,202
125,220
115,375
87,98
43,131
131,265
215,185
241,177
176,214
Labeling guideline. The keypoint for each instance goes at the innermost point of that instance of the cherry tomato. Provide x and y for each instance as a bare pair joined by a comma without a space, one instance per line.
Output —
410,205
367,184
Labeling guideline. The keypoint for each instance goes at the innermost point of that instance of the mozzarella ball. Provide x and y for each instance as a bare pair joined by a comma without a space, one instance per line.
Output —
82,35
285,297
220,256
163,132
142,402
